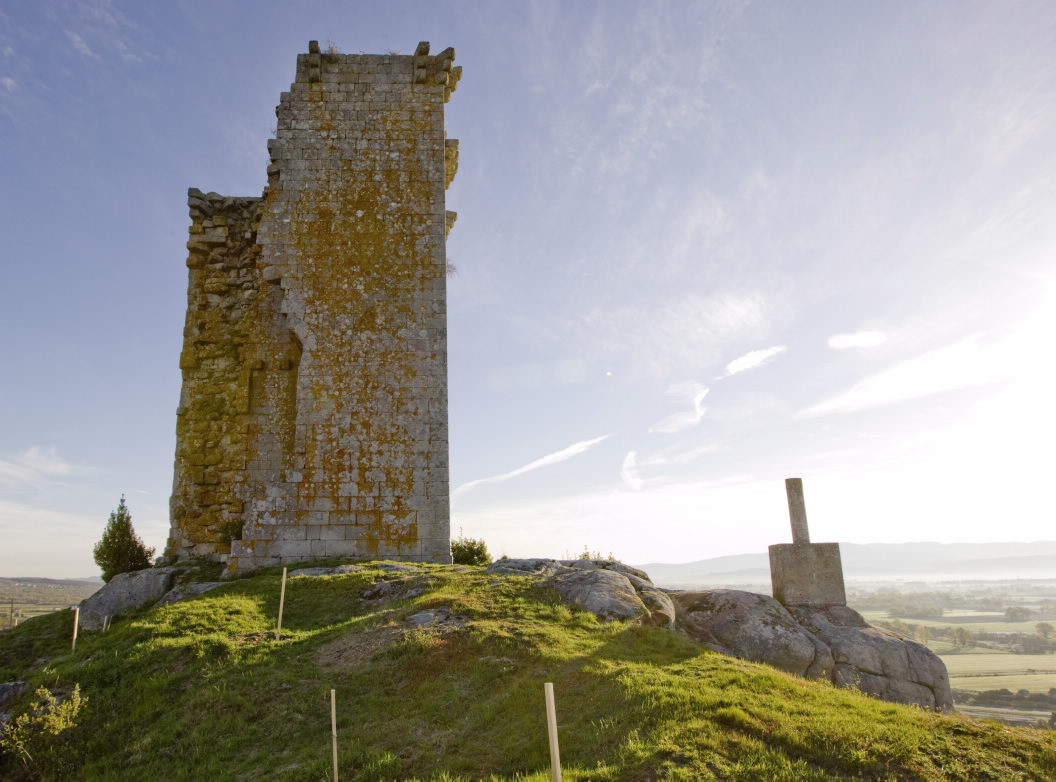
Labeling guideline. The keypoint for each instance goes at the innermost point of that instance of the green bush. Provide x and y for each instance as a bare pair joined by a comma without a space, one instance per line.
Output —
467,551
34,732
120,550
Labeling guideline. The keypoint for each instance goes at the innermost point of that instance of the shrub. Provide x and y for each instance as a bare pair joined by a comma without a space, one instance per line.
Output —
120,550
467,551
34,732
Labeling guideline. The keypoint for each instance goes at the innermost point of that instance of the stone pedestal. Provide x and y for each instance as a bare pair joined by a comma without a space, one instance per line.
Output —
807,574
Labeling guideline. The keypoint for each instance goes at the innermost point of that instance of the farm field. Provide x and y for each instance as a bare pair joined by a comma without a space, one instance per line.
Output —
974,621
978,672
1021,717
943,648
23,599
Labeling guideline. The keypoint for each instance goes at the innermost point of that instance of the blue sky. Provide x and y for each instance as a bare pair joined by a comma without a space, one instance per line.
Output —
701,247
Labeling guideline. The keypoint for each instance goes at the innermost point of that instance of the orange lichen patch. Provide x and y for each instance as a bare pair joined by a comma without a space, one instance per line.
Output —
210,429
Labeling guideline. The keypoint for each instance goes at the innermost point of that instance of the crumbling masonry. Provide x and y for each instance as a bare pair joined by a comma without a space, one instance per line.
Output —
313,416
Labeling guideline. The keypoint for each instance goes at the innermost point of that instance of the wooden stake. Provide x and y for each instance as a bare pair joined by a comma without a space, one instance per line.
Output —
551,724
76,624
282,603
333,727
106,623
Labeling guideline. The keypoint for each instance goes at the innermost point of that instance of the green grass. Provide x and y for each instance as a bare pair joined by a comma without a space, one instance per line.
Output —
202,690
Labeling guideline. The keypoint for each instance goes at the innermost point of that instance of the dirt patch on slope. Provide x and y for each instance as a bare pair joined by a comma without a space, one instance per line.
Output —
357,648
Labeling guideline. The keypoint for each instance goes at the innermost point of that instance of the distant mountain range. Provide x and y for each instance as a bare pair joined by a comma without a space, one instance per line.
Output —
880,562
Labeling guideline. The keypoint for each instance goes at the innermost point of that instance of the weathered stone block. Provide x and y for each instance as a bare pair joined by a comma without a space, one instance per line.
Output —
809,574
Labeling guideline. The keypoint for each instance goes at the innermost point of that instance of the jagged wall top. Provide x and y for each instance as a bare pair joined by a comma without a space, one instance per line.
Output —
425,69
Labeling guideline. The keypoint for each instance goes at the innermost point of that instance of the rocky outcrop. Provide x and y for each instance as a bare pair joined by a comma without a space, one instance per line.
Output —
819,642
187,591
609,589
878,661
9,693
832,643
125,592
752,627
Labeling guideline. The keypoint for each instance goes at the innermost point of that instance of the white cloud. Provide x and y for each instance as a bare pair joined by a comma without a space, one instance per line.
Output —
9,84
690,331
553,458
629,472
859,339
79,44
753,360
961,365
32,519
676,422
679,458
33,466
45,460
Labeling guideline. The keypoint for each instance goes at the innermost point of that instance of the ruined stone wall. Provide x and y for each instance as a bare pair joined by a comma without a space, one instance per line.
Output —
313,417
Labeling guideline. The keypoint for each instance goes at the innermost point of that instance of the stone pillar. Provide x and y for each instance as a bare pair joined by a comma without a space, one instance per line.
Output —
805,573
797,510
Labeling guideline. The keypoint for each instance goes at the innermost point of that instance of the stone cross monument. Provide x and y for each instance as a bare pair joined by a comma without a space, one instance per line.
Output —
313,416
805,573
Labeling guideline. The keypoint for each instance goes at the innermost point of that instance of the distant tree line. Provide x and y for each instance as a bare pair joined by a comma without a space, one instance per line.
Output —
1043,641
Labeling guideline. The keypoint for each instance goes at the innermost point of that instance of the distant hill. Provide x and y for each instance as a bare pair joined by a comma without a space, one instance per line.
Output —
34,594
880,562
78,582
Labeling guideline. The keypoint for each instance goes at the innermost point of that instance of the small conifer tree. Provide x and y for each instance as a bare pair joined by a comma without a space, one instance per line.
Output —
120,550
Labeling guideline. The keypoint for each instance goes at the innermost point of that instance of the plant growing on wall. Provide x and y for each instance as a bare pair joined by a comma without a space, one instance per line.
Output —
120,550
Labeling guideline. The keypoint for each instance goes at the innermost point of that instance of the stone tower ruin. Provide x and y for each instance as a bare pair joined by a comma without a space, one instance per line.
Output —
313,415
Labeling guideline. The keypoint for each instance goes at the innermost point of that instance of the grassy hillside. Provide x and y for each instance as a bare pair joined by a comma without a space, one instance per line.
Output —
202,690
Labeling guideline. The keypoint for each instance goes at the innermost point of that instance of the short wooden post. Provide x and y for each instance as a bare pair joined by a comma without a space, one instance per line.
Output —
551,724
282,603
333,727
76,624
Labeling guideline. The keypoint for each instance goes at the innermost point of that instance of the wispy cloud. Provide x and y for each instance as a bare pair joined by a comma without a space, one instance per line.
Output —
79,44
961,365
629,472
680,457
858,339
753,360
9,84
678,334
34,466
692,392
552,458
44,460
18,517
